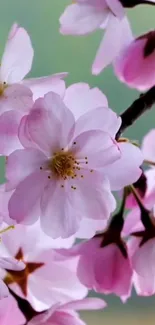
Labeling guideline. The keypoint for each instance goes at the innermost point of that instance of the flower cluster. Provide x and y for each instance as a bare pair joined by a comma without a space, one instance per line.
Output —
64,159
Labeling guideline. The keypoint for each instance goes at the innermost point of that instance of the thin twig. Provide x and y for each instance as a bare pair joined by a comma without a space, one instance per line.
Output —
139,107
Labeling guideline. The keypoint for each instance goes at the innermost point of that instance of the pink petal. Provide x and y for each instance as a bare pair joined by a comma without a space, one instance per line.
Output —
116,7
24,203
86,304
58,214
145,253
9,123
16,97
47,117
4,292
148,146
89,227
94,202
80,99
125,171
43,85
10,312
18,55
101,118
144,286
21,163
109,48
81,19
11,263
99,148
113,272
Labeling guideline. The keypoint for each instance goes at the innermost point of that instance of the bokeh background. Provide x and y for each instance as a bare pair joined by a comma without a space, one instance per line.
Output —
56,53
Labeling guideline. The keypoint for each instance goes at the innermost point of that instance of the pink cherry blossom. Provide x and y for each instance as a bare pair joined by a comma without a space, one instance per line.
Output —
86,16
49,276
136,63
58,171
16,95
65,314
10,313
105,269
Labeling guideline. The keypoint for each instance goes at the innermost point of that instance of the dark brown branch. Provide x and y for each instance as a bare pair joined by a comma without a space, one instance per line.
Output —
133,3
24,307
139,107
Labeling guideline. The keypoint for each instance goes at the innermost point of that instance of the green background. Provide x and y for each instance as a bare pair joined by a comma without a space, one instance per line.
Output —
56,53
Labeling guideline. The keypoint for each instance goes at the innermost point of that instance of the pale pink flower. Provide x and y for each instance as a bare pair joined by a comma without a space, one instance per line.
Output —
10,313
57,172
16,95
86,16
105,269
66,314
135,65
49,276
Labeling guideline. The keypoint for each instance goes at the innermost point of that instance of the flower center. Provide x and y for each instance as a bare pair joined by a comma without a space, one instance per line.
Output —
62,164
2,88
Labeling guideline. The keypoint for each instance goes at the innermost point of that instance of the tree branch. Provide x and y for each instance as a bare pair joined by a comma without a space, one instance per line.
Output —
139,107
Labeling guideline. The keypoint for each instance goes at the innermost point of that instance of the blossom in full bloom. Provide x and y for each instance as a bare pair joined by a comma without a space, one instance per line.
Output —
49,277
16,94
86,16
135,64
10,313
66,314
56,170
60,168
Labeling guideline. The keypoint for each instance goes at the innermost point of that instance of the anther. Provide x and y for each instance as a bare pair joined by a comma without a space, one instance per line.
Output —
91,171
86,162
41,168
62,186
86,158
74,142
49,177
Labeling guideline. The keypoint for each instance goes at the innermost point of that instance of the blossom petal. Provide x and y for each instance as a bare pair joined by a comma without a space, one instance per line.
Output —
9,123
43,85
18,55
24,204
109,48
93,201
81,19
86,304
21,163
58,214
16,97
125,171
11,263
80,99
47,117
148,146
101,118
98,148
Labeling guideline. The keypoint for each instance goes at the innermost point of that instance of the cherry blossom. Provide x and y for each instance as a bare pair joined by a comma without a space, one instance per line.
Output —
105,269
10,313
49,277
65,314
136,62
86,16
61,166
16,95
64,165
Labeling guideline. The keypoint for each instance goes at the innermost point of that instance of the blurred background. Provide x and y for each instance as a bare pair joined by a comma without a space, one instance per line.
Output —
56,53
